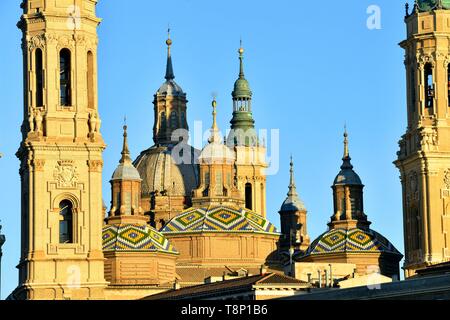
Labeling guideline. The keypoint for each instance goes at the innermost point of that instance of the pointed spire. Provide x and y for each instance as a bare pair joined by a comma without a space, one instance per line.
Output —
215,136
169,68
346,158
241,61
125,151
293,201
292,188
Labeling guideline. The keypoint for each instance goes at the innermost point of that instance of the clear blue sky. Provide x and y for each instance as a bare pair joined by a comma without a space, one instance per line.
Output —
312,67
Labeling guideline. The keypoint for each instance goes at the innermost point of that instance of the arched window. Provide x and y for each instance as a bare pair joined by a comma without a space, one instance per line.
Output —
183,119
248,196
163,121
173,120
262,198
416,233
65,222
429,88
65,77
413,89
90,79
39,79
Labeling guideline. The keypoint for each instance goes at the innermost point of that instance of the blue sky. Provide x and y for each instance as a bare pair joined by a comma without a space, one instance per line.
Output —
312,68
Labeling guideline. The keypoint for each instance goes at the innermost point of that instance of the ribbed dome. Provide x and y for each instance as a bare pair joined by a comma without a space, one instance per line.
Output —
241,89
125,172
351,240
348,177
159,171
170,88
428,5
214,152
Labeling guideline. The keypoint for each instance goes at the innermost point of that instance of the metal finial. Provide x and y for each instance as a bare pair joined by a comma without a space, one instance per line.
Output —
125,150
169,68
346,152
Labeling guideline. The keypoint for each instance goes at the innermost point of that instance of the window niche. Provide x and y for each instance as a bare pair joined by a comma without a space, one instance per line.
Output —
65,77
39,73
429,87
65,222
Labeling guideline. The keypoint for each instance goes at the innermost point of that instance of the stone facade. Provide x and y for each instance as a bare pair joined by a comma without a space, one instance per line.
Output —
61,153
424,156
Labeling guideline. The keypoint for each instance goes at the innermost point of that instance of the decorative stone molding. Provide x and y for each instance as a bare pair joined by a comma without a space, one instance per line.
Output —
95,165
66,174
38,164
37,41
428,138
447,179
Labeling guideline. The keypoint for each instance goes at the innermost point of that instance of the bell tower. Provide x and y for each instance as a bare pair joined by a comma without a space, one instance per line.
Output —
424,156
60,153
250,168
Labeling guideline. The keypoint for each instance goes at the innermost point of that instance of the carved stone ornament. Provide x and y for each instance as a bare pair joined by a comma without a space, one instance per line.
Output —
37,41
66,174
95,165
447,179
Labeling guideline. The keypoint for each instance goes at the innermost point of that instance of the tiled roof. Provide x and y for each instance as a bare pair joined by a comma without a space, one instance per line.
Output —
133,237
351,240
241,284
218,219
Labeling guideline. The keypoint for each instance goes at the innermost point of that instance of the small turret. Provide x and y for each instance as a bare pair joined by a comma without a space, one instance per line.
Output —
293,219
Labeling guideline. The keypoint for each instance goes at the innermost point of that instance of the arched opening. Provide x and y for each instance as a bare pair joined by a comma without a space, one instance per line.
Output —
65,77
429,88
415,228
65,222
183,119
90,79
413,89
248,196
39,79
173,120
163,120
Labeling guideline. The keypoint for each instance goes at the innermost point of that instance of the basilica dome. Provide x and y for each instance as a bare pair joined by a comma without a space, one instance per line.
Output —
219,219
351,241
427,5
162,171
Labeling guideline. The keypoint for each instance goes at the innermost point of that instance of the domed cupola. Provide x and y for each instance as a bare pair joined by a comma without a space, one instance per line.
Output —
349,239
428,5
348,194
347,176
170,107
170,87
125,170
242,124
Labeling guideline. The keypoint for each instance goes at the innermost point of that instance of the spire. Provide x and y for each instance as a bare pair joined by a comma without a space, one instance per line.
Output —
215,136
126,159
241,61
293,201
292,188
169,68
346,158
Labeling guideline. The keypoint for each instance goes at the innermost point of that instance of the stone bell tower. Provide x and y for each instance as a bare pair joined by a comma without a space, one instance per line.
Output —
424,156
61,153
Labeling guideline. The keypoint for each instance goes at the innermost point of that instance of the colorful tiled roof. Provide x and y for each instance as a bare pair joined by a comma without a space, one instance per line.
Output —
351,240
133,237
219,219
